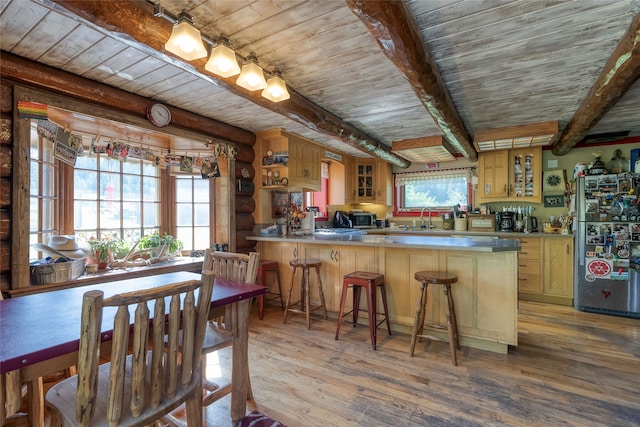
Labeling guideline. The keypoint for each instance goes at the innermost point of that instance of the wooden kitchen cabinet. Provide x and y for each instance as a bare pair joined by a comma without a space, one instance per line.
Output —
558,270
295,160
349,180
510,175
384,183
545,270
529,267
373,182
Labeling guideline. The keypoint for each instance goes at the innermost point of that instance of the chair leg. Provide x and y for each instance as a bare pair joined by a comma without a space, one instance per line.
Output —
194,409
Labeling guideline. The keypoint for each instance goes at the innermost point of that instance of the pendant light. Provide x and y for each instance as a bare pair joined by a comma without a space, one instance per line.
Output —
251,77
276,89
223,60
185,40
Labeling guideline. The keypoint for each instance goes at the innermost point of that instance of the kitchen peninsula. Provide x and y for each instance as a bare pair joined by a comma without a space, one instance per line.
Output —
486,295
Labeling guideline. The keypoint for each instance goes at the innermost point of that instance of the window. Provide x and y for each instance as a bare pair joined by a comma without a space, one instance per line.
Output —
437,189
43,191
115,198
193,212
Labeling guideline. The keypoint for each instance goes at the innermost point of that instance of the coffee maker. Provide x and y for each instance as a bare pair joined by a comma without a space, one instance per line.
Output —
505,221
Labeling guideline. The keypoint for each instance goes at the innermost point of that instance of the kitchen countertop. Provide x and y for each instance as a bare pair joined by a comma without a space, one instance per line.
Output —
441,232
473,243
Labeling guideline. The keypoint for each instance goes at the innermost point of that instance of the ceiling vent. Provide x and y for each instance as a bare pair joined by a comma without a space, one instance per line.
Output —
521,136
424,150
604,137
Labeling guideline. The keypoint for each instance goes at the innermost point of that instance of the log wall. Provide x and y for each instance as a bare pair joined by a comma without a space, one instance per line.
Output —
244,206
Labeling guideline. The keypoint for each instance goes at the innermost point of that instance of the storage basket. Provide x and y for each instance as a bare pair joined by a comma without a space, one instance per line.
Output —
58,272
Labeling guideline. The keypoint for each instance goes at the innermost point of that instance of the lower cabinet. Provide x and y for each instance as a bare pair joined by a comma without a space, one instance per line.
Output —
545,270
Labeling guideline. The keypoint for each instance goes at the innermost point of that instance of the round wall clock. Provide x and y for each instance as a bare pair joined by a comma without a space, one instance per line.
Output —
158,114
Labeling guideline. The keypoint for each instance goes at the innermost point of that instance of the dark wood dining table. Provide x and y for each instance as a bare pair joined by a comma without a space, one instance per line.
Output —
40,334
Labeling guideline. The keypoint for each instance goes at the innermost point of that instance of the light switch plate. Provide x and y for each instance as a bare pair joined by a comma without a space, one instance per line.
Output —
552,163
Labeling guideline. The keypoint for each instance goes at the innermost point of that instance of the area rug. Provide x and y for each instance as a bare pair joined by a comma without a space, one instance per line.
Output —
256,419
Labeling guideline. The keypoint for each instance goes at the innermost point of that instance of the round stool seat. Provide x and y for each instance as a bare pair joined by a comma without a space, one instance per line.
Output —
436,277
305,262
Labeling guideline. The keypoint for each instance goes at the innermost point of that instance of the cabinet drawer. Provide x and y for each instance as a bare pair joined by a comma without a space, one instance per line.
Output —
529,283
528,266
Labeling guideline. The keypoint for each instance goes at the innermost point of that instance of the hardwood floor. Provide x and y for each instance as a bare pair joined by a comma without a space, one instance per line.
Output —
570,368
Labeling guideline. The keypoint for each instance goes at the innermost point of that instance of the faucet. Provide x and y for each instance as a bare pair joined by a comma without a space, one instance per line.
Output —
423,226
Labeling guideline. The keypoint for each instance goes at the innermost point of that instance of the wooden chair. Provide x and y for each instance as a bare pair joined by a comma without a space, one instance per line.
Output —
234,266
138,389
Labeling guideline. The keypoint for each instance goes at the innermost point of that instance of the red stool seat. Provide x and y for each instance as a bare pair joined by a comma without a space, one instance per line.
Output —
267,266
445,280
370,282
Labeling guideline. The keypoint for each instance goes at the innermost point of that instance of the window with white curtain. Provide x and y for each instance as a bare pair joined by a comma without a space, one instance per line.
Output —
433,189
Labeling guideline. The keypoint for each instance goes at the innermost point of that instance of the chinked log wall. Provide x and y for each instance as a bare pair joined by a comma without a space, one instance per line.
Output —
15,70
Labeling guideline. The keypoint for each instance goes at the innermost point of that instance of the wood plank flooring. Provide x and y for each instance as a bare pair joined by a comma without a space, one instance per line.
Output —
570,368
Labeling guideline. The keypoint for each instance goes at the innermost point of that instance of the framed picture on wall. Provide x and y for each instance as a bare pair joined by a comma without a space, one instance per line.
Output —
279,204
553,201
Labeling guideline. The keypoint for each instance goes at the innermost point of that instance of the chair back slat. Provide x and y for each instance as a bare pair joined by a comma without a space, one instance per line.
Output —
156,373
231,265
157,342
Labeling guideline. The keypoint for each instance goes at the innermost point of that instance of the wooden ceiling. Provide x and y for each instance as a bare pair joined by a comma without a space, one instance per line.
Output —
363,74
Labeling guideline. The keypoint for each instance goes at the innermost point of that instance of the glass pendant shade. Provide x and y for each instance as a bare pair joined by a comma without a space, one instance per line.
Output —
185,41
276,89
223,61
251,77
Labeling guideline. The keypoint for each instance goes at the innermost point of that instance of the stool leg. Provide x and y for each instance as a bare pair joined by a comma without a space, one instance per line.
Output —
372,307
418,322
383,292
286,307
324,306
345,287
262,280
454,320
307,296
356,303
452,340
277,274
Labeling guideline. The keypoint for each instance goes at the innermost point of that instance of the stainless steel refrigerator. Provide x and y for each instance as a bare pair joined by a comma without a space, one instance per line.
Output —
607,233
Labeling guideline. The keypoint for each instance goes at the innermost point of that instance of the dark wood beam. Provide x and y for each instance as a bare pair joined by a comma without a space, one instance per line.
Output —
620,72
399,38
133,22
42,76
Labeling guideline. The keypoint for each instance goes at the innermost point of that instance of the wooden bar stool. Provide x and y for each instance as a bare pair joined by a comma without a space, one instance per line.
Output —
264,267
305,264
446,280
370,282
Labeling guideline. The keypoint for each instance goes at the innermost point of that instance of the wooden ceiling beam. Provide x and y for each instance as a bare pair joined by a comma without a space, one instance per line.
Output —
620,72
399,38
133,23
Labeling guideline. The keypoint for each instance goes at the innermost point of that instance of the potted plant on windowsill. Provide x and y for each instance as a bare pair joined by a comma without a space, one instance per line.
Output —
100,252
159,246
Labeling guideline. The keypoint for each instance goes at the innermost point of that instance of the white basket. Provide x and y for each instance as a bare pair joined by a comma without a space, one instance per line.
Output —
56,273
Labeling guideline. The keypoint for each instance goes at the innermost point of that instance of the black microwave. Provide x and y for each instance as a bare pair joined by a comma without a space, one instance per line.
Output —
363,219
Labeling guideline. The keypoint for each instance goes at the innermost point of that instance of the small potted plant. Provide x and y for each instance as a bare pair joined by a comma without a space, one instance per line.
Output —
101,251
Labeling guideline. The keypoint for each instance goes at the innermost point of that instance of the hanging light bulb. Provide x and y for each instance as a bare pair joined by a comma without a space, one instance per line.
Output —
185,40
276,89
223,60
251,77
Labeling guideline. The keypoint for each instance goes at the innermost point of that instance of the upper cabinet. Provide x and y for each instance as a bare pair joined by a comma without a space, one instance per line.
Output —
287,162
510,175
373,182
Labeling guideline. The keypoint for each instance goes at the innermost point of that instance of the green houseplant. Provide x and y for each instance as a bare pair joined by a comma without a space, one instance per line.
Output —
101,251
154,240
